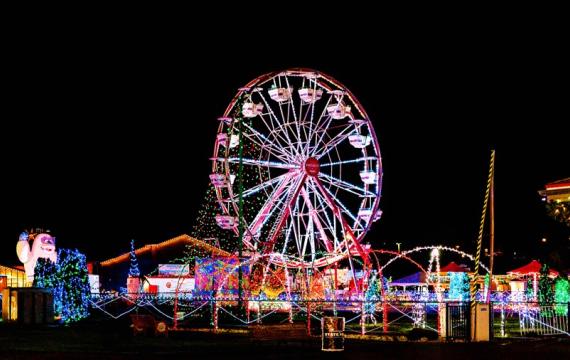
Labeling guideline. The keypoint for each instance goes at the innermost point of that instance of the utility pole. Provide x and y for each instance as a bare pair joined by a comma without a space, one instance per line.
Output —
491,228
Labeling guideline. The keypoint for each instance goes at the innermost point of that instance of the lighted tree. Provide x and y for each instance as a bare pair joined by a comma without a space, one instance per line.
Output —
545,292
69,282
45,274
372,295
205,226
134,269
562,296
529,289
74,285
560,211
458,286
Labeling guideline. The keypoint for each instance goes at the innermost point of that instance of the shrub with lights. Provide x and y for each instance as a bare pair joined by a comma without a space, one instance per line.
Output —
562,296
69,282
458,286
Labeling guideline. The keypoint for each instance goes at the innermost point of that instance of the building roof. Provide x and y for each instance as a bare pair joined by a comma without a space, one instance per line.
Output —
532,267
418,278
179,240
559,183
453,267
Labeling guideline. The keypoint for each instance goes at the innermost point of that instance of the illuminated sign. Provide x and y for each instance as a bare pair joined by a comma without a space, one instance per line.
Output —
174,269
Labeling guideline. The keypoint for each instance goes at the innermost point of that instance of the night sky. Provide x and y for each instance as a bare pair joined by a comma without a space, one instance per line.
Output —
107,137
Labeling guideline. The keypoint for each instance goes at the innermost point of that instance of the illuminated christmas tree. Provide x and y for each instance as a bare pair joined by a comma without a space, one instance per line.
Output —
562,296
68,280
45,274
205,226
74,285
458,286
545,292
134,269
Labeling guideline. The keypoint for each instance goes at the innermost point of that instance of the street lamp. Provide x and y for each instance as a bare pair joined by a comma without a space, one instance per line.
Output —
398,246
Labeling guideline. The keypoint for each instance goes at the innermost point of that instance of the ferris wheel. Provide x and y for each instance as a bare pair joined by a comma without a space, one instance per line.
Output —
310,164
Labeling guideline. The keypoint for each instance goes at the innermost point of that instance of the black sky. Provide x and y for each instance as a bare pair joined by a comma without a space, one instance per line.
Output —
107,135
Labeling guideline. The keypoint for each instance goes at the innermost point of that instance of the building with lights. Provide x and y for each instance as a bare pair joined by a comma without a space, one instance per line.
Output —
12,277
557,197
113,272
557,191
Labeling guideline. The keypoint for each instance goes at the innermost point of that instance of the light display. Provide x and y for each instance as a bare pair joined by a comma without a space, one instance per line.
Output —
545,292
297,201
562,296
218,273
45,274
68,279
458,286
371,296
134,266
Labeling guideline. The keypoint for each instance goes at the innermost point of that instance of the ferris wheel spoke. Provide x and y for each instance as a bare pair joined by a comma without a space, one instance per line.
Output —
262,141
262,163
348,234
291,105
331,223
345,185
304,144
290,230
352,161
293,193
313,132
272,114
265,144
342,206
340,137
316,220
269,205
280,141
259,187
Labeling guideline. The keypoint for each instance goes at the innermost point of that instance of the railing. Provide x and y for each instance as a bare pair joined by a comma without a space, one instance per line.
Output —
450,319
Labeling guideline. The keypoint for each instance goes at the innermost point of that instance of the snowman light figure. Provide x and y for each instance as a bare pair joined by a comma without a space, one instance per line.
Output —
43,246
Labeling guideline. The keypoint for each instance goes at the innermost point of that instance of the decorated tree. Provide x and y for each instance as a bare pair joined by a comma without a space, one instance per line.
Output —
134,269
530,289
74,283
372,295
45,274
69,283
545,292
458,286
205,226
562,296
560,211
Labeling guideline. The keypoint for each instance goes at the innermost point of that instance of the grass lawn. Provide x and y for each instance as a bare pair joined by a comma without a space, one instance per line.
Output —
114,340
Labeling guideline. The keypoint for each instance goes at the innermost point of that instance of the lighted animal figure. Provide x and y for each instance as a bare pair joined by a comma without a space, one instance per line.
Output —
43,246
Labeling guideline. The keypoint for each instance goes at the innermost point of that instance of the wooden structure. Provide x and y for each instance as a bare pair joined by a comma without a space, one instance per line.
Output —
27,305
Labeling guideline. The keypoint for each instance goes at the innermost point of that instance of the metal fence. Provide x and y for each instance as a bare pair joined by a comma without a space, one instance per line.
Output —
449,320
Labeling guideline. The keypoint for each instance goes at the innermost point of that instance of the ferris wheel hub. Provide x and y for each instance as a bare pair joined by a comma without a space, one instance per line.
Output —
312,166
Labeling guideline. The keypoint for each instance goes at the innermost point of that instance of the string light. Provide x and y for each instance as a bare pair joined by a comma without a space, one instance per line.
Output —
134,268
69,283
